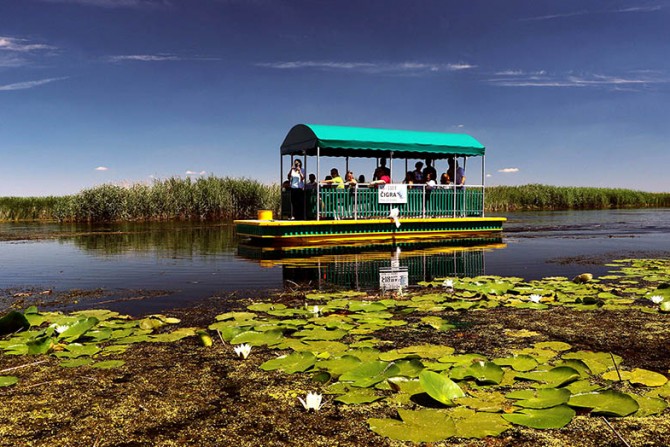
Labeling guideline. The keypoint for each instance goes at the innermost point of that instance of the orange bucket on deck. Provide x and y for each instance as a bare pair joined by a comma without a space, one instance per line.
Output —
265,215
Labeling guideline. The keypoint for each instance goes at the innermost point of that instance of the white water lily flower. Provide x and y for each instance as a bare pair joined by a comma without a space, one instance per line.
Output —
448,284
243,351
657,299
316,310
312,401
535,298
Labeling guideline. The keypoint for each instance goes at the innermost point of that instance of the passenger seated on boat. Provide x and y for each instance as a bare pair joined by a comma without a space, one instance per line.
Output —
456,172
361,178
409,178
384,179
350,180
312,182
418,173
444,179
335,180
381,170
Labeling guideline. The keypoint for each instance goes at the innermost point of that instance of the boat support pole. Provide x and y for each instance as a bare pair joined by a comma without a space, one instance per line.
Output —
483,182
318,183
281,182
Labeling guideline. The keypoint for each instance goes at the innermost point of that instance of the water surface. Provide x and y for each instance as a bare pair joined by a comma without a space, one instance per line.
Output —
190,262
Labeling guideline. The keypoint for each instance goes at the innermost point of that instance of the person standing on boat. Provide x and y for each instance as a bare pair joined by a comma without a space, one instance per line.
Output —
418,173
459,175
296,177
381,171
429,169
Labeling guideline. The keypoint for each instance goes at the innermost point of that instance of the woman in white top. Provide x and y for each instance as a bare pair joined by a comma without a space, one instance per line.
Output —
296,178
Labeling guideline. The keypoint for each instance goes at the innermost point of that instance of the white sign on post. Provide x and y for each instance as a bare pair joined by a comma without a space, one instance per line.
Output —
393,278
392,193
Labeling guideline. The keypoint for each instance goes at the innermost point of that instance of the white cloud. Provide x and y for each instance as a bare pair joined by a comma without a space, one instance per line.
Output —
21,45
633,9
540,78
116,3
400,68
28,84
508,170
102,168
196,173
144,58
489,175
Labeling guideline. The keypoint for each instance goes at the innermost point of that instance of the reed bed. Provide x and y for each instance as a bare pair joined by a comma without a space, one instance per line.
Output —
210,198
544,197
216,198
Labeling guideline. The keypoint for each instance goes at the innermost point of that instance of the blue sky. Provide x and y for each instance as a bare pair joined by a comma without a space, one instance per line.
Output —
115,91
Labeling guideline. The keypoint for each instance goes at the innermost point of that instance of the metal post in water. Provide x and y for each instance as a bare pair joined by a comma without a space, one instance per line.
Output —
483,182
281,182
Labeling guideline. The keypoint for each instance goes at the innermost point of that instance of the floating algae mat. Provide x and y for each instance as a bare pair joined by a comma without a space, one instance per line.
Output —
437,392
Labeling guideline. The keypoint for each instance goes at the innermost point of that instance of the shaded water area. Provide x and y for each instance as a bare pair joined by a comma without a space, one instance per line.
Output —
141,268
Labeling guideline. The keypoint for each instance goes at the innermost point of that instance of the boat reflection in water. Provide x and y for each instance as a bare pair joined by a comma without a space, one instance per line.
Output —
378,266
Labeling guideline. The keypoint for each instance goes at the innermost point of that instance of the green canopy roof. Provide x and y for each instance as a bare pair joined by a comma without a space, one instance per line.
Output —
340,141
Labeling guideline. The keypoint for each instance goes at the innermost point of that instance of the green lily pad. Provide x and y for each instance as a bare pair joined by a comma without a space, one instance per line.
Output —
358,396
539,399
440,387
340,365
75,363
291,363
8,381
368,374
649,406
258,338
108,364
321,334
416,426
13,322
555,417
520,363
609,403
553,378
598,362
476,424
74,331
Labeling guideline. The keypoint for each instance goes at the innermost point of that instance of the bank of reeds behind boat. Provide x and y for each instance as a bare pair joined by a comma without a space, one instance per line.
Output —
210,198
216,198
544,197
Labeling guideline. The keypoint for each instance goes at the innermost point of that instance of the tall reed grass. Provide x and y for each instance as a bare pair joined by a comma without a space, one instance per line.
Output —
544,197
216,198
210,198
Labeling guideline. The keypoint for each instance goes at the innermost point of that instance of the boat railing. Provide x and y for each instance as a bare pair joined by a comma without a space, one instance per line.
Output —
361,201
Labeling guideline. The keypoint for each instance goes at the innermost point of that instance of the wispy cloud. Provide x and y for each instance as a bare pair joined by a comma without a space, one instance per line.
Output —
117,3
633,9
29,84
21,45
157,58
519,78
196,173
401,68
508,170
102,168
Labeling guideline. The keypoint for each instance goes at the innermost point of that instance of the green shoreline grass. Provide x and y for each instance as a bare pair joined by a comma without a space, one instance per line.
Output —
225,198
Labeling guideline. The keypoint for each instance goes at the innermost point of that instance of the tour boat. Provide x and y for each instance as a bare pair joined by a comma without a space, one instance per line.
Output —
373,212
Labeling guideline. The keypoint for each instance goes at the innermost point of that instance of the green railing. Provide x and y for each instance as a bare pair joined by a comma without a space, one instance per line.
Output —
361,202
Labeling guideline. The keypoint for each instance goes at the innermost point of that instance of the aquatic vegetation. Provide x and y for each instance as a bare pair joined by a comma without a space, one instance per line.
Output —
545,197
429,392
81,338
242,350
313,401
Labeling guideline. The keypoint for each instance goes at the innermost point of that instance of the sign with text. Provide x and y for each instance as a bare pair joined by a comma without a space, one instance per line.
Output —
393,278
392,193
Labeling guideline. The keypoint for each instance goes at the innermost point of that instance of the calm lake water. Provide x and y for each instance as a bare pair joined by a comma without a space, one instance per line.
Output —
191,262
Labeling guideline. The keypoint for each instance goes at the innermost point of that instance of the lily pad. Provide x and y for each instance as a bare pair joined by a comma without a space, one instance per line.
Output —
609,403
370,373
556,417
8,381
291,363
440,387
416,426
359,396
540,399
